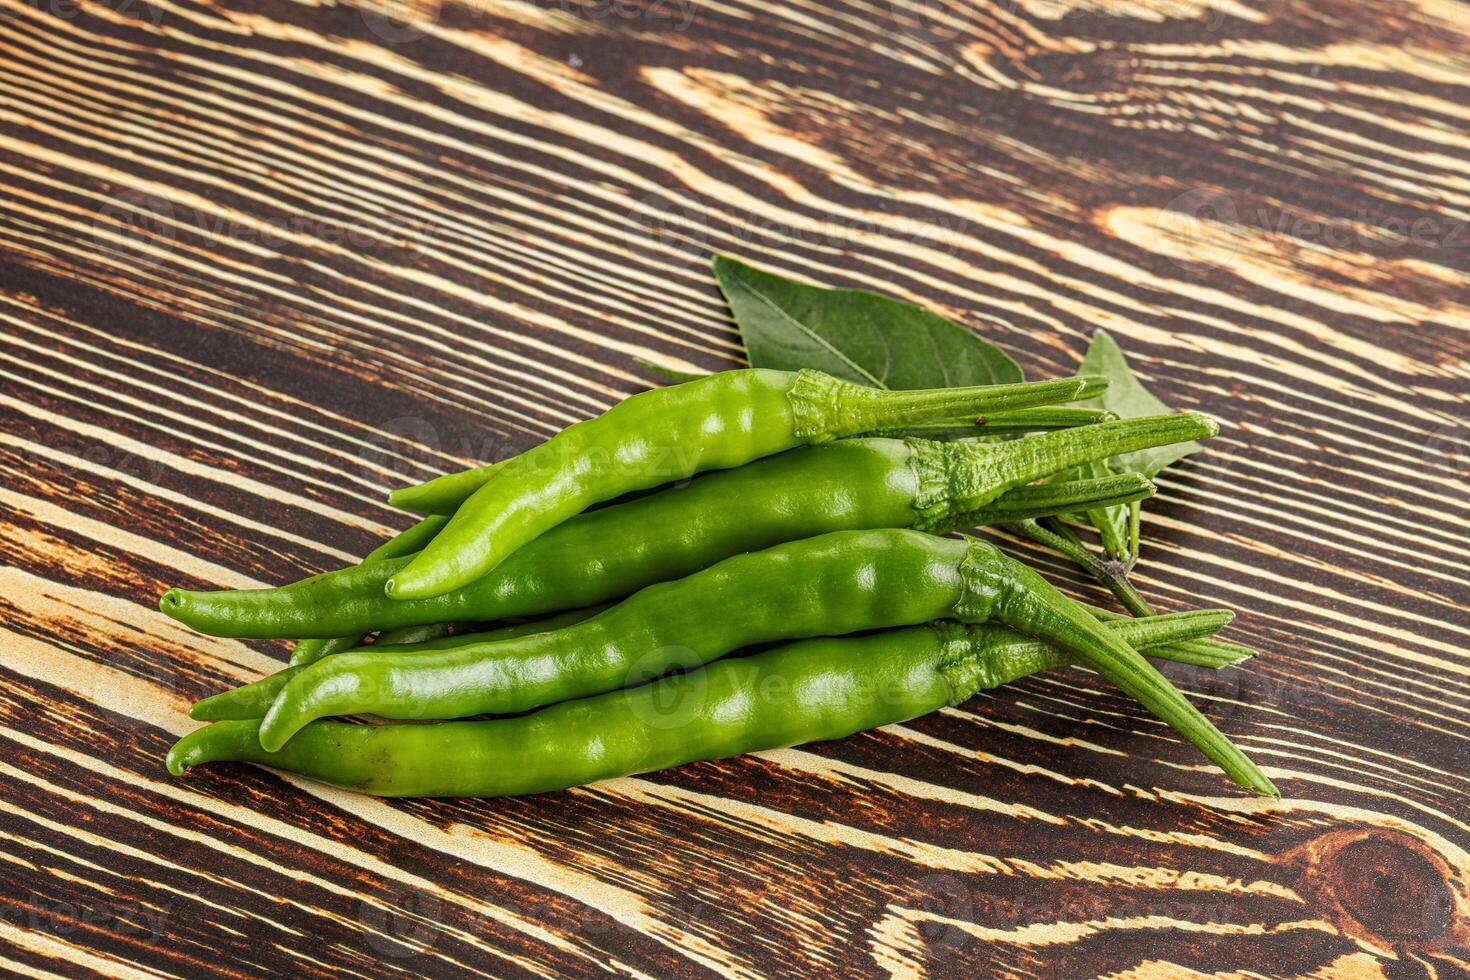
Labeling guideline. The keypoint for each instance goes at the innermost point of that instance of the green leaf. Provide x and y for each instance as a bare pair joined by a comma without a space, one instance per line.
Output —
1129,399
856,335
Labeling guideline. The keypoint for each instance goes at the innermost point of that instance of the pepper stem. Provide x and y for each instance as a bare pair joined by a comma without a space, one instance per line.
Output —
1059,537
1197,653
1002,423
1024,503
966,476
1023,460
1017,596
825,408
988,655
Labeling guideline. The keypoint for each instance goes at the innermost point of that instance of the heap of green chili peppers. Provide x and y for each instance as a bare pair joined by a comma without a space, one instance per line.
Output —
554,642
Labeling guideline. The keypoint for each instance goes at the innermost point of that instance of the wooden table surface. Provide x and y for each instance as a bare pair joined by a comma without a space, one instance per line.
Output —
260,262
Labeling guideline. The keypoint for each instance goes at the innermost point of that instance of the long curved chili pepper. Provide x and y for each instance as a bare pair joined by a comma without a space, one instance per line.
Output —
567,565
311,650
405,542
443,495
834,584
811,690
613,551
719,422
252,700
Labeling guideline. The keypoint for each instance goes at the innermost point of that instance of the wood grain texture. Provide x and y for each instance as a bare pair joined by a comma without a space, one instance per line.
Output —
260,262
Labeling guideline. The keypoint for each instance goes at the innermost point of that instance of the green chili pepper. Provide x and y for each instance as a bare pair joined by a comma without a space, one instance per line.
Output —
812,690
614,551
839,583
444,494
404,543
719,422
252,700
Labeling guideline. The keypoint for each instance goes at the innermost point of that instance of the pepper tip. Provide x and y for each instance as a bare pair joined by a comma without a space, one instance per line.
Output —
1209,423
176,761
1089,386
275,728
199,710
172,602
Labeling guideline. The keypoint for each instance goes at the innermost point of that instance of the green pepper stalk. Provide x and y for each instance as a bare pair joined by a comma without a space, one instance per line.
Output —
719,422
834,584
1004,423
1042,499
811,690
1199,652
613,551
1113,574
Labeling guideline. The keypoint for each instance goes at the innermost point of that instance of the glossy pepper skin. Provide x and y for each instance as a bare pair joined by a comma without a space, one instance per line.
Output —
406,542
252,700
834,584
612,552
811,690
443,495
656,437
